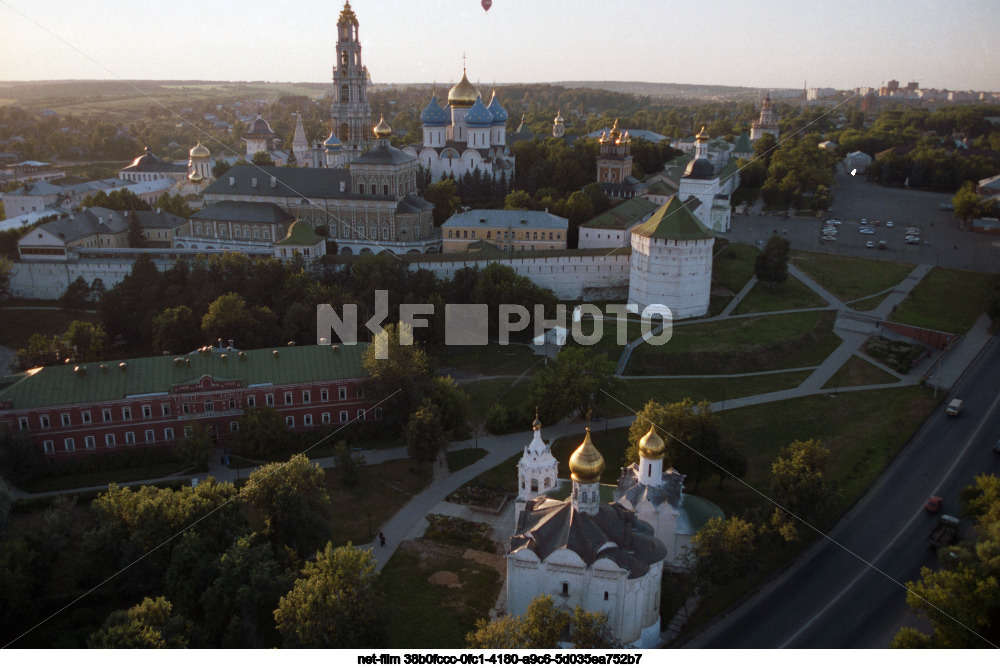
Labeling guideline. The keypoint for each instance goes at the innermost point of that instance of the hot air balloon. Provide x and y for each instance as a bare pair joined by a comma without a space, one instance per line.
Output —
487,4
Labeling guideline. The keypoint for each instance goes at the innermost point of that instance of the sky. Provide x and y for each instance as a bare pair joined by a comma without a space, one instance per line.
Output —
763,44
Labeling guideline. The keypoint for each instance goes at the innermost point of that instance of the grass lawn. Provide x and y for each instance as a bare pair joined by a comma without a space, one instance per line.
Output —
740,345
858,371
792,294
484,393
491,360
868,303
948,300
384,489
20,324
429,615
459,459
667,390
733,267
849,277
122,475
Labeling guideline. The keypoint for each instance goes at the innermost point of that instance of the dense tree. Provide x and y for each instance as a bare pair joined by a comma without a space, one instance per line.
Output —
453,405
119,200
968,203
424,435
771,264
693,439
148,625
6,503
6,269
799,487
261,433
240,603
444,196
721,553
175,204
87,340
17,581
574,382
396,371
292,501
77,296
542,627
335,603
197,446
262,159
20,462
176,330
136,236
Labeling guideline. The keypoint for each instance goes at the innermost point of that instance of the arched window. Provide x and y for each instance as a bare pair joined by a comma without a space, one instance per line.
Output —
605,596
534,485
345,96
345,132
565,589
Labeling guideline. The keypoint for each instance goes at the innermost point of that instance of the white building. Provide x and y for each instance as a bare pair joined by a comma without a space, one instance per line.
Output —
536,471
671,262
767,123
657,498
464,136
705,189
582,552
148,167
857,160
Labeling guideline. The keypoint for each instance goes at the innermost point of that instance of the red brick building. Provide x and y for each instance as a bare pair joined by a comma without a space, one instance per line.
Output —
75,411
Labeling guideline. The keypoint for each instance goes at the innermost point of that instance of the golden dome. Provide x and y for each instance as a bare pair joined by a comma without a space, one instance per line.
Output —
559,117
463,94
199,151
382,130
702,134
537,424
586,464
651,446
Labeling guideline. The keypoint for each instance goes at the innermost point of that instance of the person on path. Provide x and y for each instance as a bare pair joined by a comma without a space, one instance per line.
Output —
381,538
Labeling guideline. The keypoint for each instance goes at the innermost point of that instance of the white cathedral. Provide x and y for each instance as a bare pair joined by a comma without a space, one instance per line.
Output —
464,136
603,557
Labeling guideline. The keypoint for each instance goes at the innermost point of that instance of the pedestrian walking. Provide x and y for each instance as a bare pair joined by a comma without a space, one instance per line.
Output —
381,538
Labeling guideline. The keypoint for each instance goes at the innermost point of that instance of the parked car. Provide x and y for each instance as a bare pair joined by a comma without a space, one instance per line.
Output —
870,244
881,245
829,237
864,221
833,221
913,237
912,241
866,230
877,223
888,223
913,230
829,230
947,207
933,504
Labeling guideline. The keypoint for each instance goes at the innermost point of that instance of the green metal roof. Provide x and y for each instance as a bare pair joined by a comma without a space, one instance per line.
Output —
299,234
743,144
61,385
624,215
661,188
674,221
728,171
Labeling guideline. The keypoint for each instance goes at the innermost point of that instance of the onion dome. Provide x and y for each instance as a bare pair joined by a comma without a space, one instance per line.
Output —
478,115
537,424
767,103
651,446
702,136
382,130
699,168
559,118
463,94
199,151
499,113
332,143
586,464
434,114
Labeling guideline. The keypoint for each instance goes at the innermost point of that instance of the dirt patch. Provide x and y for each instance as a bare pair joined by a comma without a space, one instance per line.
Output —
445,579
494,561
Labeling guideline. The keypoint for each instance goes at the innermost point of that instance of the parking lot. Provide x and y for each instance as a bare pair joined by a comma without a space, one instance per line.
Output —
941,241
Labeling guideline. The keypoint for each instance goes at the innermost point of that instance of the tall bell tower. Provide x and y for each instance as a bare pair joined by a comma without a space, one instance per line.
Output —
351,114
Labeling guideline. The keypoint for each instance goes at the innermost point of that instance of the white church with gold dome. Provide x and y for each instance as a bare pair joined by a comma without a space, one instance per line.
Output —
464,136
604,557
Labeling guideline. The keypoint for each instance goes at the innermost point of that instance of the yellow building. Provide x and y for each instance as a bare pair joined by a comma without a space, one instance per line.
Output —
506,229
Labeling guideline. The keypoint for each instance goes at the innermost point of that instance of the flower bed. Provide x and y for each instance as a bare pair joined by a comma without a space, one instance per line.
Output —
897,355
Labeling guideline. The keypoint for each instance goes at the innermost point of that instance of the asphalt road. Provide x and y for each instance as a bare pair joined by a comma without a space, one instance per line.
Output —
942,242
833,597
